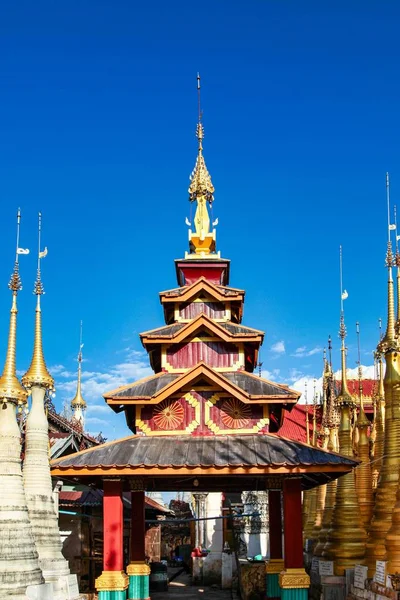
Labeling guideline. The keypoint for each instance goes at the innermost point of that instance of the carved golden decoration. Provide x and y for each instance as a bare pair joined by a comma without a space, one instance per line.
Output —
169,414
235,414
274,565
138,568
112,581
294,579
37,373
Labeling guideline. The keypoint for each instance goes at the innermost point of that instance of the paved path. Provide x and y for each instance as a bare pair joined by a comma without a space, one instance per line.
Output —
181,589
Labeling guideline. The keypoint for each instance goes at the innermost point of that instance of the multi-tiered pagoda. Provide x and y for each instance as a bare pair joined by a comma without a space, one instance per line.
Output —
203,422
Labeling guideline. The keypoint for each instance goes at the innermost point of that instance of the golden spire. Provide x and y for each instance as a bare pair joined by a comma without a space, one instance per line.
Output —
200,179
78,400
389,339
10,387
397,263
37,374
347,536
201,191
379,546
344,396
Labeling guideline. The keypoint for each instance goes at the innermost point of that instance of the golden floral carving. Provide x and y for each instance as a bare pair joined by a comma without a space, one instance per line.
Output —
294,578
138,568
112,581
274,565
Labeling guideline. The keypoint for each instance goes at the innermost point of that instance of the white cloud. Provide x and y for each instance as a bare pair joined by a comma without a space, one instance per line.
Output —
302,351
279,347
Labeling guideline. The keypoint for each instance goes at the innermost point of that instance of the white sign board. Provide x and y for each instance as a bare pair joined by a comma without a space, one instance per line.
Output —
326,567
380,572
360,575
72,583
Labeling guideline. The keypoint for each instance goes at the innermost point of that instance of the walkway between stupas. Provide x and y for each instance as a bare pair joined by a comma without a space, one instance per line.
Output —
181,589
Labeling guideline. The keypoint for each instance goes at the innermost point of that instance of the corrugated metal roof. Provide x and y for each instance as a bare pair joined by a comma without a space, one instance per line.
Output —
183,451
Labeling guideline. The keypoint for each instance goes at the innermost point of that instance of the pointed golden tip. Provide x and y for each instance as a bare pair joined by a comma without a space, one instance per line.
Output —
37,374
78,400
10,387
200,179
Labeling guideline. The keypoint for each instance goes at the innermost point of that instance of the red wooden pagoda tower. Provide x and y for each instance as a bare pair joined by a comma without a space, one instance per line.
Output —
203,357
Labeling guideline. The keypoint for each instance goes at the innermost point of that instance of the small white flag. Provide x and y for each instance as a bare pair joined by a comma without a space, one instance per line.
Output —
392,227
22,251
44,253
345,295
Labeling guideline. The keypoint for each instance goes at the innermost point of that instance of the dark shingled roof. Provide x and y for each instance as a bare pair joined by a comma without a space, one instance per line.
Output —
147,388
239,329
170,330
251,450
256,386
166,331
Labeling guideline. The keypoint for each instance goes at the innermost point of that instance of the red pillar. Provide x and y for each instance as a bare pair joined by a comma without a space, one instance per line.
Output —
293,536
275,524
138,528
113,526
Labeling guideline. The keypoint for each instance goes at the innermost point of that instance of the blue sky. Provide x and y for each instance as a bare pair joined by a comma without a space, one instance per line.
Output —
98,115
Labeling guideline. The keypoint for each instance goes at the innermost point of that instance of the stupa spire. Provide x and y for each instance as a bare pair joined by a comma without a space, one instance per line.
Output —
78,404
347,536
36,471
19,566
389,339
344,396
37,374
10,387
201,191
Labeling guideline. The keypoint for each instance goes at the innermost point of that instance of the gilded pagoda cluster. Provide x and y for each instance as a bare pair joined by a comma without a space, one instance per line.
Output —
356,520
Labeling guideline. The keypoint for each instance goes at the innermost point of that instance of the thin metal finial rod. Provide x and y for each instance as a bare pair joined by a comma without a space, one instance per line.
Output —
330,350
39,239
198,96
18,227
388,203
395,224
80,343
380,328
341,278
